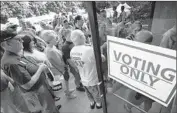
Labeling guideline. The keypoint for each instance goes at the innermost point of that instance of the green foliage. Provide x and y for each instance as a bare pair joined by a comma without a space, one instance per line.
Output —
27,9
34,8
142,10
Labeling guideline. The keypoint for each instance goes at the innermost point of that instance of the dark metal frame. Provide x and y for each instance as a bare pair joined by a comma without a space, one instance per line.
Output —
91,9
152,14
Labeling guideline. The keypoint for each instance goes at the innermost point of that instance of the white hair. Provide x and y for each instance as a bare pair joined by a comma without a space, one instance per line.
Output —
77,36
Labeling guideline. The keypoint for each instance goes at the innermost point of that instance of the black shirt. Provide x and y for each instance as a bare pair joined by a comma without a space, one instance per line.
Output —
66,50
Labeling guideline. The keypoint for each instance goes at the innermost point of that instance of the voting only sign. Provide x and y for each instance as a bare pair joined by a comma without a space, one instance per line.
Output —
147,69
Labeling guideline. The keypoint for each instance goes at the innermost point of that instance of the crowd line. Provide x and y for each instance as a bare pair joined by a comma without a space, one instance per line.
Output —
28,58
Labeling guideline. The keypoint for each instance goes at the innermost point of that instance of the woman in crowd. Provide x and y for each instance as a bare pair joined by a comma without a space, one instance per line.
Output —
27,74
29,47
56,59
30,50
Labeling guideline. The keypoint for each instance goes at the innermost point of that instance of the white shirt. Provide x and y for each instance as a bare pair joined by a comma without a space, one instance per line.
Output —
40,56
83,57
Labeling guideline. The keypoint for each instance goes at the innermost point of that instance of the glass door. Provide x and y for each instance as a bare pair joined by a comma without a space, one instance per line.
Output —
116,96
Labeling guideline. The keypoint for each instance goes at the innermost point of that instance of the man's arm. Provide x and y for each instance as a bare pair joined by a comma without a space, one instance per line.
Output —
72,64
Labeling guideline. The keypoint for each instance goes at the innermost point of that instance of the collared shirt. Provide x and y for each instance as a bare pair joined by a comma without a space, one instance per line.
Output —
20,69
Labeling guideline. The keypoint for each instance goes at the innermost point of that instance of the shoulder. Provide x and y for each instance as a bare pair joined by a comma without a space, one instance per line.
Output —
74,49
88,49
67,47
50,52
9,68
7,62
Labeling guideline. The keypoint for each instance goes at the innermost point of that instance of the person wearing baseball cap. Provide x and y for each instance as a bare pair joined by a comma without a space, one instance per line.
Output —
6,82
86,65
10,43
26,73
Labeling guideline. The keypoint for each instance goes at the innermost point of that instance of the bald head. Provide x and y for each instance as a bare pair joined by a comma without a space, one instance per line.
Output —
144,36
78,37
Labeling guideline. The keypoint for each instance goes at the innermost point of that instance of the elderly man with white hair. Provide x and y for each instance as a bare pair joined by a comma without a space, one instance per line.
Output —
83,57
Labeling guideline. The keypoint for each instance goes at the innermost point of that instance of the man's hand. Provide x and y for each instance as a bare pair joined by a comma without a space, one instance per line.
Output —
42,67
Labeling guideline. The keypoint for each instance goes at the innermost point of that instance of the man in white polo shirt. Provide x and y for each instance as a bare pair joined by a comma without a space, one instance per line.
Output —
84,59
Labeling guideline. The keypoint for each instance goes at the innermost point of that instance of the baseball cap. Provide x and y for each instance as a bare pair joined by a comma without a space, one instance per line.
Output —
7,35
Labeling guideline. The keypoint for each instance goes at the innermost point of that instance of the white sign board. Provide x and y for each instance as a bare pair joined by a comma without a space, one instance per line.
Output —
147,69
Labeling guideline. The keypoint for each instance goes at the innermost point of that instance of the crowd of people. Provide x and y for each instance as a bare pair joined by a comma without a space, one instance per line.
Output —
28,58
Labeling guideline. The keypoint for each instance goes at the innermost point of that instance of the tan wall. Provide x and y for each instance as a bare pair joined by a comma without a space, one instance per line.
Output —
164,18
